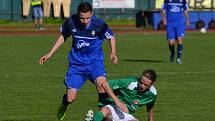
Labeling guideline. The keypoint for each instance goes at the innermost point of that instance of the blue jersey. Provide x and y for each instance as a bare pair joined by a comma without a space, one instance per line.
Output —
87,40
175,10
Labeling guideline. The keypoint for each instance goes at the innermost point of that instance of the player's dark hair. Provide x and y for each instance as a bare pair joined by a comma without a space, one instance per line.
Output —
84,7
150,74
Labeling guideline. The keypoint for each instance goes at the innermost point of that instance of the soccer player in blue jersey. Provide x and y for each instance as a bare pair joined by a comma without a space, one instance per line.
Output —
134,92
86,59
174,16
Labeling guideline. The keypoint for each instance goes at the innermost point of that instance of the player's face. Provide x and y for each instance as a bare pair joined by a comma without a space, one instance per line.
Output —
85,17
144,84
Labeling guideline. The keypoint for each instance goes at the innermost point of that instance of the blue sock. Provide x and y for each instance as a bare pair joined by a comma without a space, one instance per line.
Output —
179,50
172,50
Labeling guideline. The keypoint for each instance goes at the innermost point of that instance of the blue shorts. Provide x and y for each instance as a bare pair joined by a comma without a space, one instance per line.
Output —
77,75
175,30
38,12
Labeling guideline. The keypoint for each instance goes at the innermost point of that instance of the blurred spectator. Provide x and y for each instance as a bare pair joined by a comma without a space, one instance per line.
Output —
38,14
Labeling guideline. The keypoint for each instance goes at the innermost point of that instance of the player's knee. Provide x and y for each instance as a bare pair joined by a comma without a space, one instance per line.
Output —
101,84
71,98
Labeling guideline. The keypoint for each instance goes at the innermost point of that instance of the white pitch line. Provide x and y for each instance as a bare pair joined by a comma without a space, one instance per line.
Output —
111,74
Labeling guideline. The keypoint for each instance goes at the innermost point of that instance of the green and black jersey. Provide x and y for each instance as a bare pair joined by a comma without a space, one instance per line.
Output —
127,92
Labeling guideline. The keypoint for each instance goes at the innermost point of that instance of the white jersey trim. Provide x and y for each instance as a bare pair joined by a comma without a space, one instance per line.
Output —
153,90
108,35
84,37
180,4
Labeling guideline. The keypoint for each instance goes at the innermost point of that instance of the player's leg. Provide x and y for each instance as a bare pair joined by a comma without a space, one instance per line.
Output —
74,80
98,76
68,98
171,41
117,115
180,36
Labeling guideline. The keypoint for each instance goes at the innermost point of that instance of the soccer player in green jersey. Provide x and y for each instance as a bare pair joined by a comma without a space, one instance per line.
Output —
134,92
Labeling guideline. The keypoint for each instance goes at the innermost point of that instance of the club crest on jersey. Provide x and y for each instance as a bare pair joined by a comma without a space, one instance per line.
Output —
93,33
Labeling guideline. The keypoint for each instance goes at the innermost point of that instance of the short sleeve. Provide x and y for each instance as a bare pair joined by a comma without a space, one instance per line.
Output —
164,5
185,5
64,29
106,32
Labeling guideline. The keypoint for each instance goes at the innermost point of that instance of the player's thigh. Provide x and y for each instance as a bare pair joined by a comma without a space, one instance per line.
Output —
180,30
170,32
97,71
75,77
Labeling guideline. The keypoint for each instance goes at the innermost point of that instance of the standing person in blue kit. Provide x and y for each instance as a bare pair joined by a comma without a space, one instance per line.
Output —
86,58
174,16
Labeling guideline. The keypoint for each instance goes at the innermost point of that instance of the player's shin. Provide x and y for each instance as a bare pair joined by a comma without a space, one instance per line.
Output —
179,51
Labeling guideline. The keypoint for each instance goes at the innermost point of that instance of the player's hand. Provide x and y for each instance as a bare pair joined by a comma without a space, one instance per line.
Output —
114,58
122,106
44,58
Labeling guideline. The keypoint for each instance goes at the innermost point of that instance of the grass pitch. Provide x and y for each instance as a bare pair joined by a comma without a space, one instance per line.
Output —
31,92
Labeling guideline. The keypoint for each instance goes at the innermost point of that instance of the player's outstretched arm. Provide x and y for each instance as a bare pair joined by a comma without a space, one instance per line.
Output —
113,55
55,47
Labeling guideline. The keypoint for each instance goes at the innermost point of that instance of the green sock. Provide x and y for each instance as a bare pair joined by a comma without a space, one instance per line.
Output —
98,116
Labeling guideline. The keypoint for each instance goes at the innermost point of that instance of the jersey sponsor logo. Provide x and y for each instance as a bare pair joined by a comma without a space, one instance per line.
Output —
175,9
82,43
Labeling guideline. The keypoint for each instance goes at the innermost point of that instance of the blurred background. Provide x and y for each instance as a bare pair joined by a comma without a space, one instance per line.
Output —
139,13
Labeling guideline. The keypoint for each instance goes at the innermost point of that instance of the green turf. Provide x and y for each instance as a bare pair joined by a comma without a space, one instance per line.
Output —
30,92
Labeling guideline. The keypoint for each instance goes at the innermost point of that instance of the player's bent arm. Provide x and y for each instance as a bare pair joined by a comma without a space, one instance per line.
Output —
149,108
55,47
109,91
113,55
